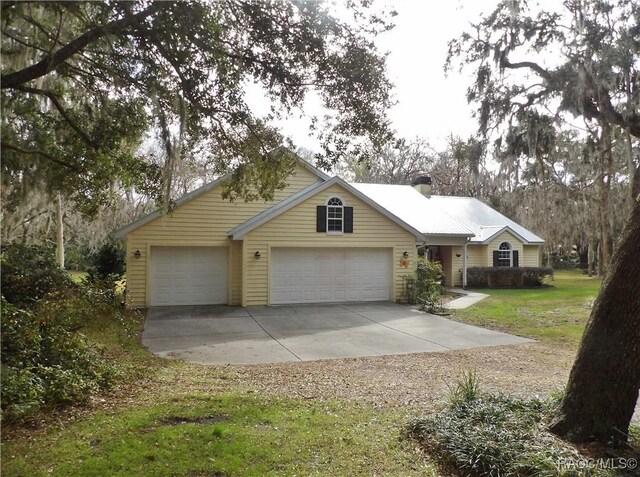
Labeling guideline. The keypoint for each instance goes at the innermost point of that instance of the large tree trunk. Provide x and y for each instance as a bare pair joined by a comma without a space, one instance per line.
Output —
603,385
604,179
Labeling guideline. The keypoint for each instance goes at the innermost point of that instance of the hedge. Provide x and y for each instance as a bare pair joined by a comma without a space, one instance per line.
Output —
507,277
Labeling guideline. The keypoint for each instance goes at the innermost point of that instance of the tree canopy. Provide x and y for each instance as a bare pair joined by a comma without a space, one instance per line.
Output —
84,83
582,61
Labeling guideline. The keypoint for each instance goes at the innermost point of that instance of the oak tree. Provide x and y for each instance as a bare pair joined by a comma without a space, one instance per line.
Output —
83,82
580,62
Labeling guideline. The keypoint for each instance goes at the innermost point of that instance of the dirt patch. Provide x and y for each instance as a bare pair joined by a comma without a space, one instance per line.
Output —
176,420
414,379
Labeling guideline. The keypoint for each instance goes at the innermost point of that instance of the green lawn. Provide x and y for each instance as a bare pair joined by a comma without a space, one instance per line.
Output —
77,276
162,422
225,435
556,314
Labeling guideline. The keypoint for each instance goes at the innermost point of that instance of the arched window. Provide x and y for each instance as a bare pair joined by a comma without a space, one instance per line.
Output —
504,254
335,215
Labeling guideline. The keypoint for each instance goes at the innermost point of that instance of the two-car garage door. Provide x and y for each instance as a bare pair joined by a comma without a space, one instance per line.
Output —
329,275
188,275
199,275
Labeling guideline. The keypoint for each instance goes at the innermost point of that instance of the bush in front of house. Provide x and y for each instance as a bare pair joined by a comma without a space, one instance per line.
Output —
46,361
30,272
109,260
425,288
507,277
484,434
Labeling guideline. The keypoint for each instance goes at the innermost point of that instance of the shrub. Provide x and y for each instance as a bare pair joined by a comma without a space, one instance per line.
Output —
489,435
29,273
507,277
46,361
109,261
426,287
107,269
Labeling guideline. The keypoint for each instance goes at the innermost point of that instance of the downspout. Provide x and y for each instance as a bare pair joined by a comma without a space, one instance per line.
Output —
464,263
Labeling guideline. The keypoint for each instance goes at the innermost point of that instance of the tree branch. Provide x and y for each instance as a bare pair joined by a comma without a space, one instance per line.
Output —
505,63
4,145
51,62
85,137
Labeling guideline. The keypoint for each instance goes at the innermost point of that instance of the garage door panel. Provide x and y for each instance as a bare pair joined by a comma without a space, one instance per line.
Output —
308,275
188,275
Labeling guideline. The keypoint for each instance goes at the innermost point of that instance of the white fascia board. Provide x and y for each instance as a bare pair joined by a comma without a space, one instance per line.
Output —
443,239
122,233
239,232
506,228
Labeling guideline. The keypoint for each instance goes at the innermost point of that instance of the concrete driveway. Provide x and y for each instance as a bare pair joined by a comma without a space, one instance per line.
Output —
231,335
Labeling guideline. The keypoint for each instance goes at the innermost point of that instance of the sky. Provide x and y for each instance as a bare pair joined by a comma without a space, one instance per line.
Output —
429,104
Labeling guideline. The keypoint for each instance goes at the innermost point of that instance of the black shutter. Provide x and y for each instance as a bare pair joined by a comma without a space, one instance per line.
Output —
321,219
516,262
495,258
348,220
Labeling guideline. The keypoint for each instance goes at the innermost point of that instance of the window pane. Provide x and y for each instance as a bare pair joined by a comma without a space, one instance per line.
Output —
334,225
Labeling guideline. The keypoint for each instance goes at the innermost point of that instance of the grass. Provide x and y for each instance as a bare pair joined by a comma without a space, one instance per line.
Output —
225,435
555,314
77,276
179,419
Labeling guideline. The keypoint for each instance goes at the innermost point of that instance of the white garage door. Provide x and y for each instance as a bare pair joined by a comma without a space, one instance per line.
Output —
188,275
329,275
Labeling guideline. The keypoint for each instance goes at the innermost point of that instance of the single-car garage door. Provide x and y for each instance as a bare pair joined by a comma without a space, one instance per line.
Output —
188,275
329,275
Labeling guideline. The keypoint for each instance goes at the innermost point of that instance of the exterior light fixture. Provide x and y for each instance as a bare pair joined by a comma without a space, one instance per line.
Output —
458,255
137,254
405,254
257,255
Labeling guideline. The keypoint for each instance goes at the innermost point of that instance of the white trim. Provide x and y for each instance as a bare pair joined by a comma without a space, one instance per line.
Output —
123,232
506,228
505,251
241,230
341,207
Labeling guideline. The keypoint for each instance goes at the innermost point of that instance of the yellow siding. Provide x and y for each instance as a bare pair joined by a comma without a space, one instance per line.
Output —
203,221
482,256
476,257
446,252
516,244
235,282
297,228
531,256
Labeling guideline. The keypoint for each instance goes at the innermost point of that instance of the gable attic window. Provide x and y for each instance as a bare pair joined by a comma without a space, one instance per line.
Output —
505,256
334,217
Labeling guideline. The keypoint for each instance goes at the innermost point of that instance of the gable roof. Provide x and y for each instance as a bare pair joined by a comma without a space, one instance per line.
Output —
241,230
446,215
122,233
